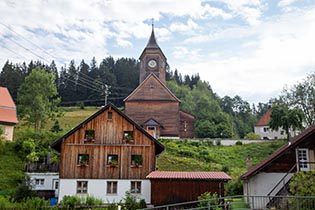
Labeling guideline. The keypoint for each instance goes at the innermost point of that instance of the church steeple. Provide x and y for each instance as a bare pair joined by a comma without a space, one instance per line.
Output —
152,60
152,44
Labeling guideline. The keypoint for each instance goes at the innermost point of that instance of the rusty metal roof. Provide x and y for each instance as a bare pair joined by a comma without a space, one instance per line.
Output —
197,175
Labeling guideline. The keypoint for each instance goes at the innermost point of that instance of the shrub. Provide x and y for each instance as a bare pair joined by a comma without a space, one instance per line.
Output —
239,143
131,201
70,201
218,142
252,136
207,199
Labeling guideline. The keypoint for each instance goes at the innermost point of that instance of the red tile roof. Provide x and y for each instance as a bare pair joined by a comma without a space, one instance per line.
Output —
281,151
7,107
188,175
264,120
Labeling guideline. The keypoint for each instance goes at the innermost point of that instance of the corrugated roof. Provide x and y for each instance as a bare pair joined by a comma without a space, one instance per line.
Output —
198,175
290,145
7,107
265,119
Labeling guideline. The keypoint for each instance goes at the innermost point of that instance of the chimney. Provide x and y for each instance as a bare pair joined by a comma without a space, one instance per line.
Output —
248,163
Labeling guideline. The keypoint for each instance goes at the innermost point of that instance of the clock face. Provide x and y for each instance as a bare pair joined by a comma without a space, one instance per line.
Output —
152,63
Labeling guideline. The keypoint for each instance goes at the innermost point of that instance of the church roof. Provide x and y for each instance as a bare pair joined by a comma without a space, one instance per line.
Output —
168,96
152,44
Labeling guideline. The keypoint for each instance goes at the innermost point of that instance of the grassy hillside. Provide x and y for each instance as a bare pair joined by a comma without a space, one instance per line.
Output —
204,156
11,168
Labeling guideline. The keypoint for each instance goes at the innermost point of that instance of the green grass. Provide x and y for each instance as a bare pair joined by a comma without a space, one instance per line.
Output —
200,156
11,168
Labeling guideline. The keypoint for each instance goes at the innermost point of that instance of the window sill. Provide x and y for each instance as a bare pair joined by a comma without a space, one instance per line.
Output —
135,166
81,165
110,166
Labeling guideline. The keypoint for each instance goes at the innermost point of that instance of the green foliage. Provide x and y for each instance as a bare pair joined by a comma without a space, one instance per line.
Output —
282,116
191,156
301,97
252,136
302,183
131,203
209,201
56,127
24,190
33,203
70,201
37,98
11,169
238,143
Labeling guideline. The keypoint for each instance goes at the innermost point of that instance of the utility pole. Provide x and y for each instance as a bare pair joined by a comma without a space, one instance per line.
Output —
106,93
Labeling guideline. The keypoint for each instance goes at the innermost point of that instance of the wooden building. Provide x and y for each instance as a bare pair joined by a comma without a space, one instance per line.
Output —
105,156
168,187
152,105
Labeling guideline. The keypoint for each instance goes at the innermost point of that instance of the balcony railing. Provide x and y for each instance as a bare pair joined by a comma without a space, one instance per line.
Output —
41,167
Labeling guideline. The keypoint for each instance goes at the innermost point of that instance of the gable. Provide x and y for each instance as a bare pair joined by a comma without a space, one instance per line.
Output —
265,119
96,121
152,89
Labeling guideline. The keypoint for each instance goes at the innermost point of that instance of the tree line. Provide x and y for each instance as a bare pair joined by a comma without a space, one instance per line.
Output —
89,84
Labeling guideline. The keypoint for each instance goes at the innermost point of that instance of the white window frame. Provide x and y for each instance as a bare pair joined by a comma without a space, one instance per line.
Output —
303,159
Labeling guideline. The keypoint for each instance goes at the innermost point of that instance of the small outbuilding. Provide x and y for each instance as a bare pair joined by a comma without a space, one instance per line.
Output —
169,187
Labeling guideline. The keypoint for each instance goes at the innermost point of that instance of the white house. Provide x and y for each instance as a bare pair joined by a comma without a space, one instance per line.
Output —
265,132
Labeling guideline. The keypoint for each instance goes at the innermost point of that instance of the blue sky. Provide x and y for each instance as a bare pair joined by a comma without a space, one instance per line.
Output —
250,48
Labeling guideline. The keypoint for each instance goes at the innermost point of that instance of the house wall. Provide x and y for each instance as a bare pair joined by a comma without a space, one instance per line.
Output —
269,133
262,184
97,188
8,131
176,191
164,112
109,140
49,181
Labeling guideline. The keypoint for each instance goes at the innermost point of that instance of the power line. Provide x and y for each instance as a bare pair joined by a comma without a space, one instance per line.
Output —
28,40
13,52
26,49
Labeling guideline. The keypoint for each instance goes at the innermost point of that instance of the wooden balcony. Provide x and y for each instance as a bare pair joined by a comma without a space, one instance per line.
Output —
41,167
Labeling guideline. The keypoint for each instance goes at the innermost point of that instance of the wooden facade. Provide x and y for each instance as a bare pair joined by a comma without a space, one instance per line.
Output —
114,135
168,187
169,191
153,100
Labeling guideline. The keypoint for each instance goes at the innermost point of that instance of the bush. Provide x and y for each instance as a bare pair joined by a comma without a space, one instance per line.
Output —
207,199
239,143
218,142
131,201
252,136
70,201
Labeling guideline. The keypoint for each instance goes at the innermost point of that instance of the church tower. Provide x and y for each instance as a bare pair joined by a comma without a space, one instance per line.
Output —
152,60
152,105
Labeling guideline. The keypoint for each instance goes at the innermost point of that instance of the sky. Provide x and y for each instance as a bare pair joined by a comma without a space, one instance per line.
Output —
250,48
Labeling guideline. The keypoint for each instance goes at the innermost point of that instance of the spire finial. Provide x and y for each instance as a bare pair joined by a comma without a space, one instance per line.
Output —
152,20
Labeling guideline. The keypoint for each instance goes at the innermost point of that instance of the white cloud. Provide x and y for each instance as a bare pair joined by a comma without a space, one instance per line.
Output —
285,3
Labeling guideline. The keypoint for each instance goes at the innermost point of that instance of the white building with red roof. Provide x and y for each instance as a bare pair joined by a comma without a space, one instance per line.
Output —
265,132
8,116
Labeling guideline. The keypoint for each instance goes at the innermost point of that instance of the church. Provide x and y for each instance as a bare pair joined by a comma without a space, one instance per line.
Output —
152,105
